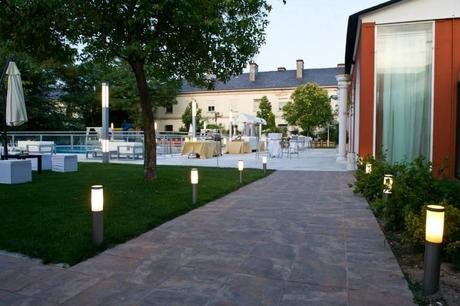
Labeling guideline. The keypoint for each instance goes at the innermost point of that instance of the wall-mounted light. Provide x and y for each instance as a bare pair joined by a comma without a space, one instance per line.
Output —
434,231
387,184
368,168
194,181
97,208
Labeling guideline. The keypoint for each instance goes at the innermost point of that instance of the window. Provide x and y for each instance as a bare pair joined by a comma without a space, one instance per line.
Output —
282,102
169,109
256,105
211,108
404,65
169,127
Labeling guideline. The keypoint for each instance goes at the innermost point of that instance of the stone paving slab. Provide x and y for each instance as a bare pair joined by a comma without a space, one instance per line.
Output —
293,238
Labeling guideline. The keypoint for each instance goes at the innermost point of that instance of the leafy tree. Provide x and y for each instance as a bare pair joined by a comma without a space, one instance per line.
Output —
271,124
187,118
38,50
309,108
265,112
175,39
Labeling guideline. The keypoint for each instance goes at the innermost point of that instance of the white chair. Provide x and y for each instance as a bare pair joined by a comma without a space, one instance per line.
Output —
13,171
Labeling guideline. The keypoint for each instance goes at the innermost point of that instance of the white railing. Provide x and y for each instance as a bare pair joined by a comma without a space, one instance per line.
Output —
81,141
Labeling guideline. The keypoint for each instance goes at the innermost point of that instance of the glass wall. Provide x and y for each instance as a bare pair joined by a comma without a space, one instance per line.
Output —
404,65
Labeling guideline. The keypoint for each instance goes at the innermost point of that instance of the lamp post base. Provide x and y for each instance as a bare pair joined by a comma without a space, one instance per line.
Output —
194,193
431,268
105,157
265,168
98,227
241,177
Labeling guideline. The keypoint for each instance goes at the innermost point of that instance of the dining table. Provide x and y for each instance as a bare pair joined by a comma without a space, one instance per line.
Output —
238,147
203,149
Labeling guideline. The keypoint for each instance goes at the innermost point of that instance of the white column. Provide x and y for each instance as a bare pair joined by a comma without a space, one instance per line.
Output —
194,119
343,85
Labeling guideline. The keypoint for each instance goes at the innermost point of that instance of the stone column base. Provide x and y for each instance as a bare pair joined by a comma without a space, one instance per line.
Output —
351,161
341,159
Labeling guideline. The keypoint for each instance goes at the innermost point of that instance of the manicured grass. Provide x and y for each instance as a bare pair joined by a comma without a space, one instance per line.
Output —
50,218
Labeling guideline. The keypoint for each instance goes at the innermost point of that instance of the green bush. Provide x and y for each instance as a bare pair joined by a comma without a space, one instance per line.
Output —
413,188
414,233
370,185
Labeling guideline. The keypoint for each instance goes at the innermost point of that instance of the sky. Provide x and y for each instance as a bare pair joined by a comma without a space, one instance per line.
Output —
312,30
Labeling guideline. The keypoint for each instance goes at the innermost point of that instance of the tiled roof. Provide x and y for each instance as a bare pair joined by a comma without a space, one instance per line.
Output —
274,79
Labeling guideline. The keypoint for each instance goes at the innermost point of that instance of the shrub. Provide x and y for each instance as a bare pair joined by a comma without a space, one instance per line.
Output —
405,210
370,185
414,233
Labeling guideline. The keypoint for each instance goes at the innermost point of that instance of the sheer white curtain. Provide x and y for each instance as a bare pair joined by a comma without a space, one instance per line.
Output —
404,63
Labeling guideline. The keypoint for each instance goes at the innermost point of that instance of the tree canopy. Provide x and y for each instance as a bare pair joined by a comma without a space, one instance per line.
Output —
175,39
309,108
265,112
187,118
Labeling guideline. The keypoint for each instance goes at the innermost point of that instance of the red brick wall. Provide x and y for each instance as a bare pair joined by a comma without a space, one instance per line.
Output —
366,107
446,69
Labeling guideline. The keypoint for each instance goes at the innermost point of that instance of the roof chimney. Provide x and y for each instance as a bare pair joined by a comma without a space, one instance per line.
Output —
281,68
253,68
299,72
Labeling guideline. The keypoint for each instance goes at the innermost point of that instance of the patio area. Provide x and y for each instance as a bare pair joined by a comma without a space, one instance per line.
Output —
292,238
308,160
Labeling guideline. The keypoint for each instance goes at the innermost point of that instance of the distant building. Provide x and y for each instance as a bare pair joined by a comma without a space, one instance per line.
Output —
242,94
402,66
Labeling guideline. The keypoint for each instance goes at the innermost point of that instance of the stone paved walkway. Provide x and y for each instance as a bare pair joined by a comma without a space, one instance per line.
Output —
293,238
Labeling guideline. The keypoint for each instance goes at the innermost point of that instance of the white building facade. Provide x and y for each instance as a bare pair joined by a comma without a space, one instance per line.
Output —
242,94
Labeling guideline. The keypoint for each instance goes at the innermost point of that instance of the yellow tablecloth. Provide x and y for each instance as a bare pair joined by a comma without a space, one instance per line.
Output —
261,146
238,147
206,149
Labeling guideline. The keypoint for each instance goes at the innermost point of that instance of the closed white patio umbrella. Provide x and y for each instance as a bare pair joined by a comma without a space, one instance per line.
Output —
14,107
16,113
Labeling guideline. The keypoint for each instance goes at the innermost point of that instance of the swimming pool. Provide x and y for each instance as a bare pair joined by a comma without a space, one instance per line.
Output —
79,149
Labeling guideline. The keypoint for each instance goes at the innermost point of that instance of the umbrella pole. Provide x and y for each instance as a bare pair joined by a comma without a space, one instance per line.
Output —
5,135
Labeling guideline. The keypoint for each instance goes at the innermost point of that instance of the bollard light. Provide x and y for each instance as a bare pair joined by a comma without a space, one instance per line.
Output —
264,163
194,181
240,165
194,176
368,168
97,198
241,168
434,230
97,208
387,183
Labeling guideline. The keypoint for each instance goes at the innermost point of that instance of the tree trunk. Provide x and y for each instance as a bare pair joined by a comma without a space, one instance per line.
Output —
150,147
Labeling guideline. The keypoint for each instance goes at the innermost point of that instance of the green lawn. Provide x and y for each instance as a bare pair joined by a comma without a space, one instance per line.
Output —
50,218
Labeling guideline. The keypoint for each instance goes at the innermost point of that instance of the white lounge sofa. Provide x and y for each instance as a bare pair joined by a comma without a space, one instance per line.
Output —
36,146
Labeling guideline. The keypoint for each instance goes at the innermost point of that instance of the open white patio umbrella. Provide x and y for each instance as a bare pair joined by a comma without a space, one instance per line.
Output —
16,113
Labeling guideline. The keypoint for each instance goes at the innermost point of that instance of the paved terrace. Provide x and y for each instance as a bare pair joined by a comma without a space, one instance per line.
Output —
309,160
293,238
